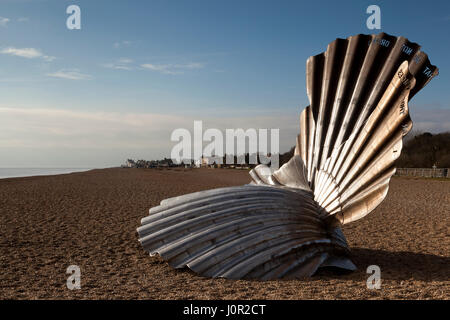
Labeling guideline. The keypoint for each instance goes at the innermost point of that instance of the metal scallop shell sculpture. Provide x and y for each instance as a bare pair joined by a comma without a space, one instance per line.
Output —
286,223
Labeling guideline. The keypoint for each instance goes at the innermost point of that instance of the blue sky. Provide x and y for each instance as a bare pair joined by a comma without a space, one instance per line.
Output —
139,69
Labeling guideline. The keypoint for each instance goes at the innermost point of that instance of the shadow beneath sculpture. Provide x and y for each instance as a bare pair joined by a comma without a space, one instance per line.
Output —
396,265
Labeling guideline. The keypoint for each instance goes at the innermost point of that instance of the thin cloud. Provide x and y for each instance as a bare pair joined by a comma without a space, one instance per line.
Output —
125,60
38,132
48,58
116,66
162,68
22,127
172,68
4,21
192,65
69,75
40,127
23,19
431,120
29,53
128,64
120,44
121,64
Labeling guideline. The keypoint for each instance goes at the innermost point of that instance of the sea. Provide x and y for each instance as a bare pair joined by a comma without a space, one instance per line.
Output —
30,172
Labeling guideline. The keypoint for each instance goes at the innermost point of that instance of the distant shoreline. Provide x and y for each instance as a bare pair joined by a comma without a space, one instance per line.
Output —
6,173
18,173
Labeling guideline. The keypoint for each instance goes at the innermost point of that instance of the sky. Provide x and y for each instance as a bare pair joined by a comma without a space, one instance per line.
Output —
137,70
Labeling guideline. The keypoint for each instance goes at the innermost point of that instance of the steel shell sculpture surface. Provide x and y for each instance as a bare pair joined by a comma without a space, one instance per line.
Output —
286,223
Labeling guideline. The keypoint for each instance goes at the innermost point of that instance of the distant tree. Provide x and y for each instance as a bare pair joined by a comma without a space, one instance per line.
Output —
285,157
425,150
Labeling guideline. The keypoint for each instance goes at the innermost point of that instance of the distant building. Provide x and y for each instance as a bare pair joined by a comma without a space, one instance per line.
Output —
209,162
204,162
130,163
165,163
